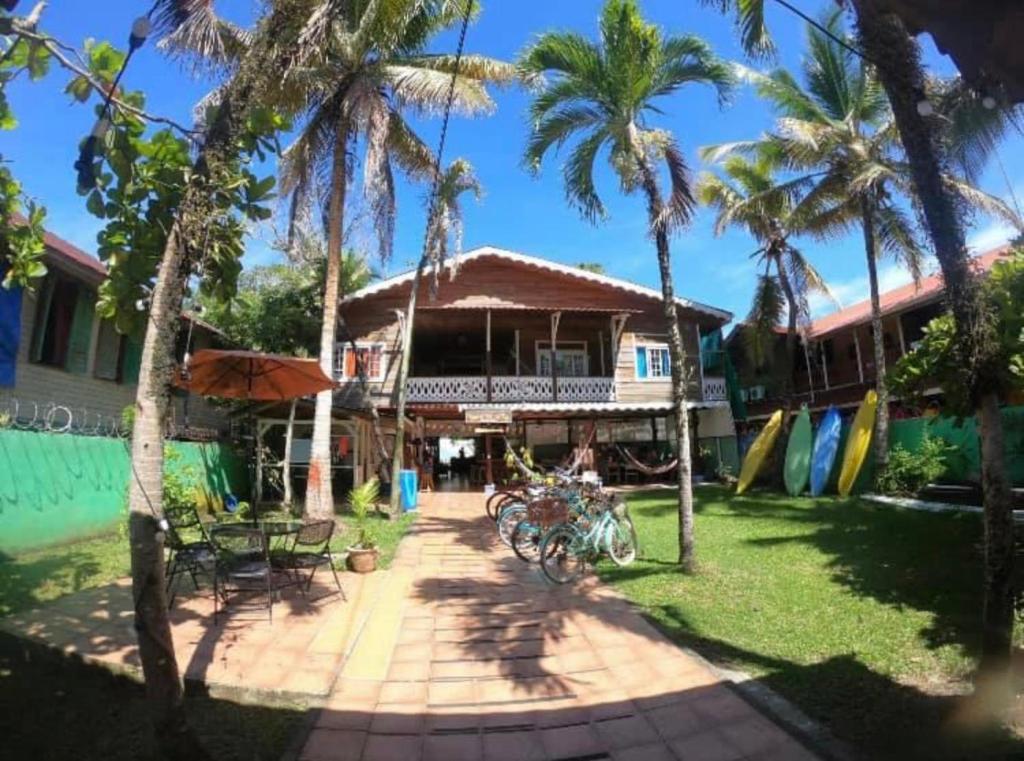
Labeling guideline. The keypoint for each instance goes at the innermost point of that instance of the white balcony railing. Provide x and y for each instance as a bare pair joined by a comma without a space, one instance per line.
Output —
506,389
715,389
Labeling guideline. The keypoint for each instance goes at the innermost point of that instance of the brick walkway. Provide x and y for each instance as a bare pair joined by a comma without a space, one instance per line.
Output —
469,654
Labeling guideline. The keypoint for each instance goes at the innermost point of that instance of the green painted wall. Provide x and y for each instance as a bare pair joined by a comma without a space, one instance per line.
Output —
56,488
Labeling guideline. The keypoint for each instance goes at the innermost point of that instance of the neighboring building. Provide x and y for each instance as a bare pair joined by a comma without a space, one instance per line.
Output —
59,361
539,349
836,364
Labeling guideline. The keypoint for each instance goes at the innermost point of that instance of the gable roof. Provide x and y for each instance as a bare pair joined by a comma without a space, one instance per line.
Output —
542,264
898,299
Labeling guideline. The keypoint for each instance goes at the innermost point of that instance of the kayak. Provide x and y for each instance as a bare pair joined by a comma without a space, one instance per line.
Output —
826,446
858,443
798,454
759,451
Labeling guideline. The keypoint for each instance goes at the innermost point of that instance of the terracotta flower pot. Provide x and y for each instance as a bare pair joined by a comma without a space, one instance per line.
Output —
362,560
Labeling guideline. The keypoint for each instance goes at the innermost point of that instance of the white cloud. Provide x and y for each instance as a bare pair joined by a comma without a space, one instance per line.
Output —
849,292
989,237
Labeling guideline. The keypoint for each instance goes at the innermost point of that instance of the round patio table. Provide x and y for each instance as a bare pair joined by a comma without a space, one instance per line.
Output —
279,530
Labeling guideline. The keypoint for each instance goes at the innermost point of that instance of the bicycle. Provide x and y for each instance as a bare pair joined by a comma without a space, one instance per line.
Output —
566,549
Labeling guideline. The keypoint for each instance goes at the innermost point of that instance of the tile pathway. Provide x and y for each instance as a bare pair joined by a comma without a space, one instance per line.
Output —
468,654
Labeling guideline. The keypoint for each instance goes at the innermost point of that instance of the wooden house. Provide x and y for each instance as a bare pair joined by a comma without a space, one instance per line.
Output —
514,343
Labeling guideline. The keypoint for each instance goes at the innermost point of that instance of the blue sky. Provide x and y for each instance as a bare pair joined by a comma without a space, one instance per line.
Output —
517,212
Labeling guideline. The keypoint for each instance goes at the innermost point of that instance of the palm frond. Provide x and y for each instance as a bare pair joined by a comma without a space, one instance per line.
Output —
578,173
714,154
407,149
808,275
750,21
426,90
897,236
563,53
555,129
689,59
481,68
680,203
766,312
978,200
191,28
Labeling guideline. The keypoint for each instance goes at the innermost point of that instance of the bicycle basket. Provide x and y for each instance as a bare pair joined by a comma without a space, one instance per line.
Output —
547,511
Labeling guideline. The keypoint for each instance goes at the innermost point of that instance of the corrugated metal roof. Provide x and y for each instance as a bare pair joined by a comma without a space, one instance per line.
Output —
898,299
543,264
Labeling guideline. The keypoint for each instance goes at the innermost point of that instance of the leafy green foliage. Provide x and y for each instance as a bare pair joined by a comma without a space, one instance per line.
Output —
21,220
908,472
179,480
936,355
278,308
363,499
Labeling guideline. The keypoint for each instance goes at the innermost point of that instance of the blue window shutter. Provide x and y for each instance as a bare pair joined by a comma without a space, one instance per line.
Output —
10,330
641,362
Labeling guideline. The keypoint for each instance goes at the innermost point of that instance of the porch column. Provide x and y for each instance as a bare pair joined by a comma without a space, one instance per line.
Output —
600,348
517,351
654,431
489,474
258,486
700,360
618,323
810,377
488,362
860,364
556,317
903,342
824,363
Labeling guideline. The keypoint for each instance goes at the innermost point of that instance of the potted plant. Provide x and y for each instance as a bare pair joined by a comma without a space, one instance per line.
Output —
362,555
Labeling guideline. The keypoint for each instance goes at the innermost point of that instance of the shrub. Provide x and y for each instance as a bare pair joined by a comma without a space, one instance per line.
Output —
909,472
362,499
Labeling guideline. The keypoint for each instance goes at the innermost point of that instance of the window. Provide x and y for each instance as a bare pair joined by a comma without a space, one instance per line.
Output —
572,358
653,361
109,346
370,356
63,326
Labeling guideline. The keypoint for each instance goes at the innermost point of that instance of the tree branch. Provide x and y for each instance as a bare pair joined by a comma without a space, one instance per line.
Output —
55,47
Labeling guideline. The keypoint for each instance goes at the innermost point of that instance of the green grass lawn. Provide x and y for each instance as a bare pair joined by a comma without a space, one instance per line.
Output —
865,617
37,577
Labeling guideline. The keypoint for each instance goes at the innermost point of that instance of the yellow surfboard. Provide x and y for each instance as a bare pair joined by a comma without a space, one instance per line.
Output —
759,452
858,443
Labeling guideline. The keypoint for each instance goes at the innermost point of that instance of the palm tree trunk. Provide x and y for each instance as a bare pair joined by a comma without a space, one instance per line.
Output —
679,380
319,491
878,337
401,381
145,499
897,57
286,466
782,441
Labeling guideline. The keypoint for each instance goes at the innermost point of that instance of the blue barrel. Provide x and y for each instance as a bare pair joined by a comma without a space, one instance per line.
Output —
408,483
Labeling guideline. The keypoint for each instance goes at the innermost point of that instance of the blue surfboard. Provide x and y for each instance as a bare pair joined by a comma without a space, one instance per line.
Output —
826,445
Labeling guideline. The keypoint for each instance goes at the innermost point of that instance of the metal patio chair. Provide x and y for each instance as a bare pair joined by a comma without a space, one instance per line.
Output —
191,556
310,550
242,566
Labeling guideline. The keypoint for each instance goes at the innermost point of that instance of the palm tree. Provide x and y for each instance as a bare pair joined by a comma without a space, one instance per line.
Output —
896,57
444,239
837,132
605,94
369,71
742,198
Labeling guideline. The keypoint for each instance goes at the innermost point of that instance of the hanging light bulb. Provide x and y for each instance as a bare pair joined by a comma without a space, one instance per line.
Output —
140,305
988,102
925,107
141,28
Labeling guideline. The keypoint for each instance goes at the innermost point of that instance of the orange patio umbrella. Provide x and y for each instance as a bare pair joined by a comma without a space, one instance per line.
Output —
229,374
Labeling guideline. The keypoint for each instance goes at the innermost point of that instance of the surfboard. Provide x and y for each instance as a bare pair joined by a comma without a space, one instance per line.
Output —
858,443
826,445
798,453
759,452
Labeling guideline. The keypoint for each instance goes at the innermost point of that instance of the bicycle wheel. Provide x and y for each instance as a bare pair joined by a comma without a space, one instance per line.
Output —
507,521
622,542
525,540
560,560
496,501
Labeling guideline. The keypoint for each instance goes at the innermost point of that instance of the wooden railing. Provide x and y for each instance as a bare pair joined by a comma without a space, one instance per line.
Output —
510,388
715,389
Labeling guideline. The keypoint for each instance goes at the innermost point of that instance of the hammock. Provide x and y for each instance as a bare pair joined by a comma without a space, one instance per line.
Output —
525,469
647,469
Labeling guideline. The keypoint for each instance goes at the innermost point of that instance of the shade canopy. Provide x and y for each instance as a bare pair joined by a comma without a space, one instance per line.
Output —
251,375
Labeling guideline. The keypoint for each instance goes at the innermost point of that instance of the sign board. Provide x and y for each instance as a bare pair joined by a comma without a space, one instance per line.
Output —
483,416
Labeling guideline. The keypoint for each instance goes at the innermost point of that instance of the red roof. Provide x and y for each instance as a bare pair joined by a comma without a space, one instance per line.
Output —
899,299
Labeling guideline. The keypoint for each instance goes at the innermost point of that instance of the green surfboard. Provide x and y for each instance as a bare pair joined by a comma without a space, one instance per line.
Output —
798,453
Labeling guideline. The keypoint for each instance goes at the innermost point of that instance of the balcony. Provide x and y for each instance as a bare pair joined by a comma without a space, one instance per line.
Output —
714,389
505,389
